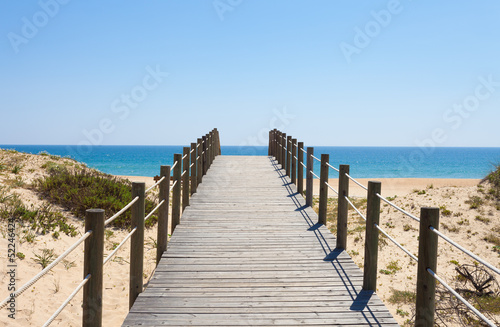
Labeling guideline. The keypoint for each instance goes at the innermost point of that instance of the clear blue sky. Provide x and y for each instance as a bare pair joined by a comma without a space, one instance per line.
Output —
347,73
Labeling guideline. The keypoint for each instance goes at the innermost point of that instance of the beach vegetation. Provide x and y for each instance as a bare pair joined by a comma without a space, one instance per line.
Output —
20,255
493,239
402,297
402,313
475,202
82,189
68,264
482,219
450,228
45,258
16,169
41,220
445,212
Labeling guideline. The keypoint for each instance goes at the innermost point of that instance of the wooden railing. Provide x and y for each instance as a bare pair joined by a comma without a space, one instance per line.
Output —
290,155
188,171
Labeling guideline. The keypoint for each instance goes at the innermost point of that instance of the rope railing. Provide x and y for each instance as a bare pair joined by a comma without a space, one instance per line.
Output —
461,299
68,300
97,223
154,210
156,184
354,207
312,173
282,146
119,246
331,188
38,276
172,187
338,171
464,250
356,182
119,213
397,208
396,243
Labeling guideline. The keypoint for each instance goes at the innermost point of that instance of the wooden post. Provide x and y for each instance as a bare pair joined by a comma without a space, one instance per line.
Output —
294,161
343,207
269,151
214,145
199,156
275,139
185,178
288,155
278,147
323,189
193,178
371,237
137,242
210,148
427,258
93,266
300,168
204,155
176,192
219,151
309,176
162,233
283,151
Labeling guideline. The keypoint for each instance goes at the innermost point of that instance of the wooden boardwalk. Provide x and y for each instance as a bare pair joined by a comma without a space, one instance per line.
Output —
249,252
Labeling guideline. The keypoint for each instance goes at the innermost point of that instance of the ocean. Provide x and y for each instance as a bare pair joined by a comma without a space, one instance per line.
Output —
365,162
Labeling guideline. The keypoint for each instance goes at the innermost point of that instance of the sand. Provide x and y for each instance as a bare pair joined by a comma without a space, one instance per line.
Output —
38,303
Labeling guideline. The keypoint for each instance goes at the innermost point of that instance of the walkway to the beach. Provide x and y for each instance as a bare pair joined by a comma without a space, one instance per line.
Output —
249,252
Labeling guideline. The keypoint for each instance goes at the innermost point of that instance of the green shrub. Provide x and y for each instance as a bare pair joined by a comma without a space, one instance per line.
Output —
86,189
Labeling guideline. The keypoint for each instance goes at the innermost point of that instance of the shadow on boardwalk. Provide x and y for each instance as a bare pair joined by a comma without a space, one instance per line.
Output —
248,252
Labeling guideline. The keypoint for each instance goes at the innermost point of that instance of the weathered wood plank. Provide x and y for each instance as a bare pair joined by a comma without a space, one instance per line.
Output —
249,252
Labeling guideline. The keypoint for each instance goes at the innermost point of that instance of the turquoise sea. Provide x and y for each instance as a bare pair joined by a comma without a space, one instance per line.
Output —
365,162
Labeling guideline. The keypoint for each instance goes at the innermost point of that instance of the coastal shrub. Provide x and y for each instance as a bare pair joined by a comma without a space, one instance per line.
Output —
494,179
85,189
406,297
475,202
42,220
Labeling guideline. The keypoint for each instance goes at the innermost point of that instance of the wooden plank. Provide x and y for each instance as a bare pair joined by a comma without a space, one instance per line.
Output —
249,252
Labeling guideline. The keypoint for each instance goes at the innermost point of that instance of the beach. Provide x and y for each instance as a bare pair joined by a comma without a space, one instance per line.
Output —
37,304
